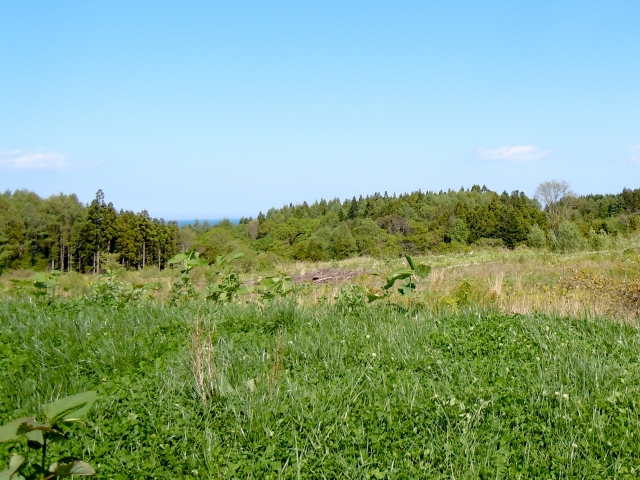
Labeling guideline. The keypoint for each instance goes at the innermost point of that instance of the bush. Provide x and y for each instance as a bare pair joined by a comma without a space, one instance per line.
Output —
459,232
569,237
600,240
536,237
490,242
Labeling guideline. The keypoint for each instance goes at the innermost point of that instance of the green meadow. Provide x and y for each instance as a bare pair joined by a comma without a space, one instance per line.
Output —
341,389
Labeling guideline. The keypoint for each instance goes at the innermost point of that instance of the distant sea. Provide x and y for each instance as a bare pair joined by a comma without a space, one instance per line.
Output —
182,223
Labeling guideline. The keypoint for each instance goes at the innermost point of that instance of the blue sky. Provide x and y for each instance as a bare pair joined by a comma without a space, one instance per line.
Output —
211,109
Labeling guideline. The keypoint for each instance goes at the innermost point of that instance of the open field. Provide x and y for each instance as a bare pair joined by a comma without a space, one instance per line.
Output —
591,283
506,364
290,391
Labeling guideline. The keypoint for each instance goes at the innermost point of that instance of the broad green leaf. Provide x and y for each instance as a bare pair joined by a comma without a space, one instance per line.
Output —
35,438
233,256
268,282
9,431
410,260
244,290
423,271
40,277
32,425
399,275
15,463
197,262
176,259
407,290
4,475
65,467
372,297
70,409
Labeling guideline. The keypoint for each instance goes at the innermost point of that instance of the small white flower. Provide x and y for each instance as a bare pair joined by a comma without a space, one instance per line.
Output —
538,358
565,396
368,336
290,342
374,355
271,433
557,394
574,445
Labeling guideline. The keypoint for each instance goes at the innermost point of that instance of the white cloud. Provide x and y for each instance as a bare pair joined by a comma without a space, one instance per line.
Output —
635,153
34,160
523,153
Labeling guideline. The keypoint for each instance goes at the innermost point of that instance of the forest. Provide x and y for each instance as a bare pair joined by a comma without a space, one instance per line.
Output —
61,233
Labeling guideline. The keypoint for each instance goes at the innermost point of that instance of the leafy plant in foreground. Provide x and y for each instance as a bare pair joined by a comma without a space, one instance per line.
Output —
42,285
279,285
350,300
46,283
116,293
58,415
183,289
227,284
407,278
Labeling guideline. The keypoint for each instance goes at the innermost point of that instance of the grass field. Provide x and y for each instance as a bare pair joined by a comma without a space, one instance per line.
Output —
290,391
513,364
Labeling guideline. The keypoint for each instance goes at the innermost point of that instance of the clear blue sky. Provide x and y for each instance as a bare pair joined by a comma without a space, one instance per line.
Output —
211,109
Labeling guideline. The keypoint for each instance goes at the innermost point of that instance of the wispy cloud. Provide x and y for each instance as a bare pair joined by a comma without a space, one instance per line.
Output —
35,160
522,153
635,153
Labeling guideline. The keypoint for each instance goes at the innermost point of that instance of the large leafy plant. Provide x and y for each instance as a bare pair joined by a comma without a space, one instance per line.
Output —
42,285
183,289
58,416
279,285
227,280
405,279
45,283
115,293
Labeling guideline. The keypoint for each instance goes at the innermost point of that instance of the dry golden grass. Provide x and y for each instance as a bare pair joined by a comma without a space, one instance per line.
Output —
604,283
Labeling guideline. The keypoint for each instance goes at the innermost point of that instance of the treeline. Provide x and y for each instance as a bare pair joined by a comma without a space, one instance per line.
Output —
421,222
61,233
